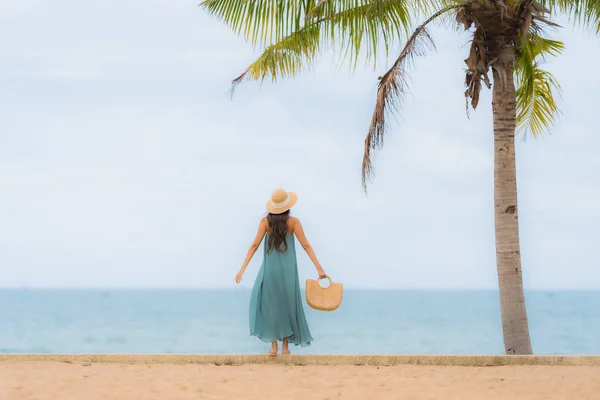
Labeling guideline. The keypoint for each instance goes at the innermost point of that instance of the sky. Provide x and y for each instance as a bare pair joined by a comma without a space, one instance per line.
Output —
124,162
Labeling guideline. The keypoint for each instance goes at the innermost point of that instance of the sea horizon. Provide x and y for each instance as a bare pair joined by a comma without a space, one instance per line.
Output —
215,321
248,288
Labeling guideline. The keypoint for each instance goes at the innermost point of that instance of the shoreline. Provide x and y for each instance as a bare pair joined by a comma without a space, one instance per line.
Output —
304,359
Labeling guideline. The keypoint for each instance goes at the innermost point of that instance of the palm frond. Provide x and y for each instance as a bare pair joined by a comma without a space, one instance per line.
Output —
536,106
285,58
478,62
262,22
363,25
586,13
416,7
354,26
391,90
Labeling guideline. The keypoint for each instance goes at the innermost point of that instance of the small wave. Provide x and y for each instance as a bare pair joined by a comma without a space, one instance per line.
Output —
116,339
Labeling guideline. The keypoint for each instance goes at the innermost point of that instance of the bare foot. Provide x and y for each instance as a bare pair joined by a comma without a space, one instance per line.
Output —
285,347
273,351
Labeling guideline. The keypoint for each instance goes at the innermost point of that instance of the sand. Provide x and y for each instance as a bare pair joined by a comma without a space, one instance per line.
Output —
59,380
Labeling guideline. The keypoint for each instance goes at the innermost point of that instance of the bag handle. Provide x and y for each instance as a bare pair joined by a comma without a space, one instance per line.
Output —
326,277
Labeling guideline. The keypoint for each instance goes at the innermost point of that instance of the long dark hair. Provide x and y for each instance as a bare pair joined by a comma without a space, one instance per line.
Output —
278,229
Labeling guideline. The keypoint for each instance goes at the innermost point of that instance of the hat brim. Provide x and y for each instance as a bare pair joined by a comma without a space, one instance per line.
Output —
293,199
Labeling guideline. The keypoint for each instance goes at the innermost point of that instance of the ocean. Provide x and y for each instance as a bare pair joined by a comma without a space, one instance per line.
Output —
216,321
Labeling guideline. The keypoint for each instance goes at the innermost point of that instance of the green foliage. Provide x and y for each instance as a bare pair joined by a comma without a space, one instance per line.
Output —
286,57
536,107
262,22
291,32
586,13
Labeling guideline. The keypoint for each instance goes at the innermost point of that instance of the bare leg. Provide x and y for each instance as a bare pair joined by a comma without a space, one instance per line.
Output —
273,351
285,347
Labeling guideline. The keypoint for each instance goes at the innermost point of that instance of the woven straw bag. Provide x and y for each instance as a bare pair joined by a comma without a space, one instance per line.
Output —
323,299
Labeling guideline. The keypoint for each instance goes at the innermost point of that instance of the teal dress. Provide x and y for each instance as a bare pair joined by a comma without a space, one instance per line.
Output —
276,307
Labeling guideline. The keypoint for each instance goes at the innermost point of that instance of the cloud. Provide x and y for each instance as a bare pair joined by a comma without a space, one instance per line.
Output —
123,161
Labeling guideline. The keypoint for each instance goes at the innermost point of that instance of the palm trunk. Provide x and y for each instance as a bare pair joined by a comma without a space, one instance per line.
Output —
508,256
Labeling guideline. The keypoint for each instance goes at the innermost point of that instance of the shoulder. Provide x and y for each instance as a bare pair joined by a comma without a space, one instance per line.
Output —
293,223
264,224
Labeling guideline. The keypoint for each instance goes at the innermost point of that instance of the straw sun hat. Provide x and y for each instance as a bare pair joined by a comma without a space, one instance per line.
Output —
281,201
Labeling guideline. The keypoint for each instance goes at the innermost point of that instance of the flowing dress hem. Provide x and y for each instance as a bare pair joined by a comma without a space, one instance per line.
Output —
291,339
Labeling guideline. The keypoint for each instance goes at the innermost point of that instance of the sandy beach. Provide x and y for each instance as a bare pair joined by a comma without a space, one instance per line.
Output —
91,381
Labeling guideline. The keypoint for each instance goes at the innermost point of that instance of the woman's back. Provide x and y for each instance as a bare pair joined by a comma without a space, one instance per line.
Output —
276,311
294,228
288,256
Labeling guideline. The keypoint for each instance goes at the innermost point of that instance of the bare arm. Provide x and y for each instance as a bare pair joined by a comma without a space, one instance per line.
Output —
299,232
260,234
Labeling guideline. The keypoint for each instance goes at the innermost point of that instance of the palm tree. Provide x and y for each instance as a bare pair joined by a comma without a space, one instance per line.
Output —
508,39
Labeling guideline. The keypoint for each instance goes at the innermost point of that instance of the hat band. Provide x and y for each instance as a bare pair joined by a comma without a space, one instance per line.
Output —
282,204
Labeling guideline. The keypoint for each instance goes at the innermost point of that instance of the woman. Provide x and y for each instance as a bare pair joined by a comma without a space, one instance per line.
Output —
276,310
